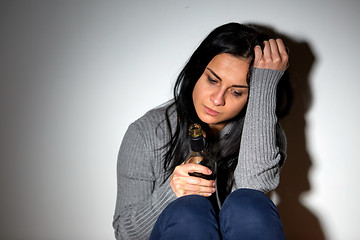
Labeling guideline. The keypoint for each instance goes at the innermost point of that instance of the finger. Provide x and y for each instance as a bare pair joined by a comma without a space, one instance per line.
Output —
282,50
180,187
197,193
275,55
258,55
267,51
198,189
283,54
184,169
199,181
281,47
177,185
191,180
193,167
180,170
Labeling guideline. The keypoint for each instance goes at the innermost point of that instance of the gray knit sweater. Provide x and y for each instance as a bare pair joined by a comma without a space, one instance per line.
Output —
143,191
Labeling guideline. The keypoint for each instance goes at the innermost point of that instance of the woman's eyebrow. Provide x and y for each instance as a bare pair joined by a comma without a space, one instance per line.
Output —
240,86
217,76
214,73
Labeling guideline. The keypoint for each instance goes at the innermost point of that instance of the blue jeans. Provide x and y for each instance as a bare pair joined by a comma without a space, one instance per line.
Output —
246,214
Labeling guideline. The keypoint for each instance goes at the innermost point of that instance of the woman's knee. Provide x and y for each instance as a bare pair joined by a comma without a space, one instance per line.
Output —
252,211
248,201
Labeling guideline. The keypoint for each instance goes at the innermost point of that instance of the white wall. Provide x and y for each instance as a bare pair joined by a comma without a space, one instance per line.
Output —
74,74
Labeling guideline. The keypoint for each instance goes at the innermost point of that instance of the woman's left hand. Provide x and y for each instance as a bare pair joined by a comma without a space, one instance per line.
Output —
273,57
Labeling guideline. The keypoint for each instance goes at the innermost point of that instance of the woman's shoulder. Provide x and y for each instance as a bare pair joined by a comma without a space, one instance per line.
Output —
156,118
158,114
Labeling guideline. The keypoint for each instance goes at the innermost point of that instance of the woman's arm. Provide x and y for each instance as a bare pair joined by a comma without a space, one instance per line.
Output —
261,150
142,195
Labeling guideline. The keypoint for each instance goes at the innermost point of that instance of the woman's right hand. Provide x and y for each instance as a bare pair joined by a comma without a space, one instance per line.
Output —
183,184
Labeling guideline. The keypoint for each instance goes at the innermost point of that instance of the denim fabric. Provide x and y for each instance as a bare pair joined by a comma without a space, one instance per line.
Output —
246,214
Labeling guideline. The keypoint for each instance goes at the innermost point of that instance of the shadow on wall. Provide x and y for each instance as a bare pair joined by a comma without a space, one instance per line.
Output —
299,222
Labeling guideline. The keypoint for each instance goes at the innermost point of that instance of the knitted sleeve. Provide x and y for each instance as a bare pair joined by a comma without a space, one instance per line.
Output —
262,149
142,195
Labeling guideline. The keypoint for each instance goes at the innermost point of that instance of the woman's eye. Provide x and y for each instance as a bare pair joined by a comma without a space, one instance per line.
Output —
211,80
237,94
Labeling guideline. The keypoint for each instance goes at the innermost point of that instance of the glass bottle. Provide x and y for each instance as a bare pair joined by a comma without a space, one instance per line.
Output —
199,153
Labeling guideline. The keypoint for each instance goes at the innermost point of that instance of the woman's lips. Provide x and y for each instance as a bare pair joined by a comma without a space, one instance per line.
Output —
211,112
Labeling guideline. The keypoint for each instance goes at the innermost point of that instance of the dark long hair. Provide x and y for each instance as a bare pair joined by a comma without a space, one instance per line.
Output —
238,40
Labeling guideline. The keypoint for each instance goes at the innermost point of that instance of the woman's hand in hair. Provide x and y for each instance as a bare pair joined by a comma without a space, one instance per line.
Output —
274,56
183,184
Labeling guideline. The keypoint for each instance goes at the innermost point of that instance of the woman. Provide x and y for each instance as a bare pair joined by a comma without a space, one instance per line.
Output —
228,86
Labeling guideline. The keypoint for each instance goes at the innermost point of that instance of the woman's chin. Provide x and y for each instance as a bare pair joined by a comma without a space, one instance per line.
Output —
215,125
208,120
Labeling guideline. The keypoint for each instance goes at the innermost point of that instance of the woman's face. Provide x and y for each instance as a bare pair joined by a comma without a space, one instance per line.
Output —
222,91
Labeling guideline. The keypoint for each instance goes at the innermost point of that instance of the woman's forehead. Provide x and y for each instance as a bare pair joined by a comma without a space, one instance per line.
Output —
228,67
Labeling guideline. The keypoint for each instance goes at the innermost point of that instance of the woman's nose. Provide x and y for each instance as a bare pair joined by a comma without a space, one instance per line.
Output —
218,98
